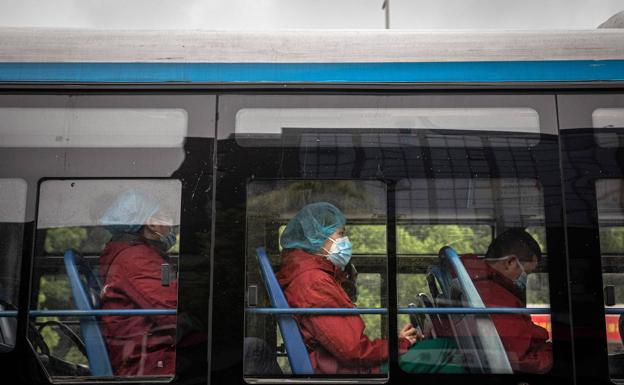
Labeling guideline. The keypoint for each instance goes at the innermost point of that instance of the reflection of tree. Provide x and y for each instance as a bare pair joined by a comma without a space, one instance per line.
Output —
612,240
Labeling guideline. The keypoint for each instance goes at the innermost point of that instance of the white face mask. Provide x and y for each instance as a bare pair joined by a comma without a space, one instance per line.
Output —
340,252
521,281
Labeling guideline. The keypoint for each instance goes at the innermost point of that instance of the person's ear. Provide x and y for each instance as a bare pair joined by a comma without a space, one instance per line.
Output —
511,263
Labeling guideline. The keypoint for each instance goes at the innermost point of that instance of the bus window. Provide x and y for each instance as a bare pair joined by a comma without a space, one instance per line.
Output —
610,196
82,127
292,222
12,218
105,277
604,120
495,228
372,127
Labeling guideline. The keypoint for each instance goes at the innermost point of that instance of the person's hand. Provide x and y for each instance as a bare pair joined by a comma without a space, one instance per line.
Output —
410,333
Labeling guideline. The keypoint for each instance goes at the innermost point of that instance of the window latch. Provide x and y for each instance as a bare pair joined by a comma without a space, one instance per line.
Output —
609,295
165,274
252,295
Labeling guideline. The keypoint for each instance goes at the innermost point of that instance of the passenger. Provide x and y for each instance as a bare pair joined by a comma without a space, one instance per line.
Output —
315,253
130,267
501,280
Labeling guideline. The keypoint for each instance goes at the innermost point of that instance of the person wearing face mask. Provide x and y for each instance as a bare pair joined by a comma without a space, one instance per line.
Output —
316,253
130,269
501,280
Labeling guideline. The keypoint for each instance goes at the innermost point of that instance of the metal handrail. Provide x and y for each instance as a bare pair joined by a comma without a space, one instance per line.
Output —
327,311
401,310
91,313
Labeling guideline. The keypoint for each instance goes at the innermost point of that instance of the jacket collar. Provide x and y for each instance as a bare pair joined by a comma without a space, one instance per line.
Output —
480,270
297,261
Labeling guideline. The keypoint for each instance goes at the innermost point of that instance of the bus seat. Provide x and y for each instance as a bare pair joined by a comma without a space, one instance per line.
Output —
8,326
475,334
440,325
295,348
85,295
438,286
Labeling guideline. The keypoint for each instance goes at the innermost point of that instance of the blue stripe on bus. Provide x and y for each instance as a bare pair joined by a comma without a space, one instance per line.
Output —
444,72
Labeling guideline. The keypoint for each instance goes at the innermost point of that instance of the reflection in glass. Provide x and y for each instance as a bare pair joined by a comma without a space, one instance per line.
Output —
108,248
12,218
608,123
610,197
386,127
484,221
294,221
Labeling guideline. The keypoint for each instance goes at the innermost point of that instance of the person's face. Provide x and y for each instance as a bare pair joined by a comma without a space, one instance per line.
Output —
339,233
157,227
512,267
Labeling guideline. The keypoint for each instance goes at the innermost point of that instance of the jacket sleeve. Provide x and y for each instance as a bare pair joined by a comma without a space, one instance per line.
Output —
342,336
524,342
143,286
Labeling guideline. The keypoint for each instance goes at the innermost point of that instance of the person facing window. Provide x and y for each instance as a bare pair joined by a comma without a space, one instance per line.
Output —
130,267
315,254
501,279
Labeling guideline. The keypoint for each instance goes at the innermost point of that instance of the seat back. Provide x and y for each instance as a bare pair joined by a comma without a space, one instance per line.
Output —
8,326
295,348
475,334
85,295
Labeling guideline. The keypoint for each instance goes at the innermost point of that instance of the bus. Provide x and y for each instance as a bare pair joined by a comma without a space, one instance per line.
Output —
431,144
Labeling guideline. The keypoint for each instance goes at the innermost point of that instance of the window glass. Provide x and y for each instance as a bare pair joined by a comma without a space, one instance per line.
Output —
292,221
12,218
105,277
605,120
429,239
610,195
383,126
469,216
92,127
366,239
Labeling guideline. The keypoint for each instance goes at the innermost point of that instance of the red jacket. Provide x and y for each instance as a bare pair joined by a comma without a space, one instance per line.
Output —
137,346
336,344
525,342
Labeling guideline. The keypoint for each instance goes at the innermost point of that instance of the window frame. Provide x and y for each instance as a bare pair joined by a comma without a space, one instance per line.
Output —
197,160
235,172
584,162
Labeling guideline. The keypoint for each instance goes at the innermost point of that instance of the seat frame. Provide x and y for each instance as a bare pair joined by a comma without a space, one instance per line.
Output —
82,290
293,341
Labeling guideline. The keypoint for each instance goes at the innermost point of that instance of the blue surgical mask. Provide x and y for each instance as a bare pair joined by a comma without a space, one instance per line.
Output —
168,240
521,281
340,252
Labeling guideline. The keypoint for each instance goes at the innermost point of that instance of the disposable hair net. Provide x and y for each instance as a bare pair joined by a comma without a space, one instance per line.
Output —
311,226
129,212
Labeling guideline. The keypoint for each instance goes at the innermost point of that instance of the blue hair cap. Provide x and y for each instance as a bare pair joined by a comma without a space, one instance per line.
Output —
311,226
129,212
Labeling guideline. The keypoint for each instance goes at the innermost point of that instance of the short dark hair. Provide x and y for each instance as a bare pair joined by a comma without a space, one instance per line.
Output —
514,242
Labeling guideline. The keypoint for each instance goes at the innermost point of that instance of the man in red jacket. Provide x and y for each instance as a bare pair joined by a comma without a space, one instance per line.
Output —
130,267
316,252
501,280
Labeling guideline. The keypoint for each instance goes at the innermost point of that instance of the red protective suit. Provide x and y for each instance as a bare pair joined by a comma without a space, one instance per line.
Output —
137,345
524,341
336,344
